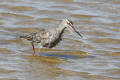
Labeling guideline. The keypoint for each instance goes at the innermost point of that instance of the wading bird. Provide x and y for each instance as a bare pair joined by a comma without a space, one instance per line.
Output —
49,38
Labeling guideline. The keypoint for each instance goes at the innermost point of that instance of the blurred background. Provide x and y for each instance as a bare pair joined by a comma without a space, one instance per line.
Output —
96,56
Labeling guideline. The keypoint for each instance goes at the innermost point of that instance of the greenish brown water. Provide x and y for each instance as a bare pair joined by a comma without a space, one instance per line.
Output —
96,56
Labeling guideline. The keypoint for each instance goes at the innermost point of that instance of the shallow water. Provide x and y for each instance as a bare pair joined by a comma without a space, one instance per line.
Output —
96,56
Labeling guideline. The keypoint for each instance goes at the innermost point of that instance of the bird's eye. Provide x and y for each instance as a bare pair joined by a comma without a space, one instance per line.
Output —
69,23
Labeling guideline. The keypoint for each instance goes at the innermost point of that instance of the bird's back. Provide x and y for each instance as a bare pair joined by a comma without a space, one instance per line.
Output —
46,38
43,36
35,36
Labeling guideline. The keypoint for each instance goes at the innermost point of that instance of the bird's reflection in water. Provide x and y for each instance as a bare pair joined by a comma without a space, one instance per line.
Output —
60,56
66,56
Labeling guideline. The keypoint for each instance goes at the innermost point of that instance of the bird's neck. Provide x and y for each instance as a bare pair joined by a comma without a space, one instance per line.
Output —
61,28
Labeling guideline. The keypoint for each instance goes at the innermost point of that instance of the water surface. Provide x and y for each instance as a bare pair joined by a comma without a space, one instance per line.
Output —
96,56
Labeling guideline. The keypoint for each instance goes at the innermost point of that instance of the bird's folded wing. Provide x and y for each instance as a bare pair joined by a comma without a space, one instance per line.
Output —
42,35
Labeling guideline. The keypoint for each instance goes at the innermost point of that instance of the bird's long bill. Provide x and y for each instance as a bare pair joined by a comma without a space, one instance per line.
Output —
76,31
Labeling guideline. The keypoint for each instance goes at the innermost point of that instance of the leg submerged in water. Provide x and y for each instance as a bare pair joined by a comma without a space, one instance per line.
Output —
33,49
39,52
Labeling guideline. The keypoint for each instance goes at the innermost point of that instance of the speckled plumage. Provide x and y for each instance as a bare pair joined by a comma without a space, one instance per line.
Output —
49,38
45,38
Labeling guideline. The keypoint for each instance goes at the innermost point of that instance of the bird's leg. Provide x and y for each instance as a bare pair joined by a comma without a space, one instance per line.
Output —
39,52
33,48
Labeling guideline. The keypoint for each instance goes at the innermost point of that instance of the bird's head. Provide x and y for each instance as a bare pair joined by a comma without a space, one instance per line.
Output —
69,24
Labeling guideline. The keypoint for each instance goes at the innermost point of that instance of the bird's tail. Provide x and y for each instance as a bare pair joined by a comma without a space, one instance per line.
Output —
22,36
27,37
